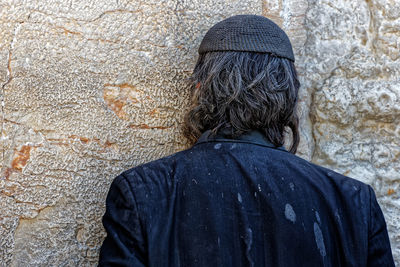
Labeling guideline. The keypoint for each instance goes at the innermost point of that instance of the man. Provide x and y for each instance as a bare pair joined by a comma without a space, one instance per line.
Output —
237,197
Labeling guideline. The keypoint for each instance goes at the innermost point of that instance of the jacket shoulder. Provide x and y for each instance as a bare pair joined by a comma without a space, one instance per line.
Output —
164,164
342,181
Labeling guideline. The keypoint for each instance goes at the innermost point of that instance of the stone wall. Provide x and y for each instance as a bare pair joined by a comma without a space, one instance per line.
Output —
91,88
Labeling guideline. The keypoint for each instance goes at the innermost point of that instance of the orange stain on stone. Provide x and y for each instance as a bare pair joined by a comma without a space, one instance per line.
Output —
114,103
390,191
117,96
21,157
125,85
66,32
107,143
7,173
81,138
84,140
153,112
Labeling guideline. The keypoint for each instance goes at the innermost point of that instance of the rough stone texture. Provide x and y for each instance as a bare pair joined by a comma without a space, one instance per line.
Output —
91,88
352,67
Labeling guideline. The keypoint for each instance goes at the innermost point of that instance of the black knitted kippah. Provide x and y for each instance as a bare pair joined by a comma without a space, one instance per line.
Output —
247,33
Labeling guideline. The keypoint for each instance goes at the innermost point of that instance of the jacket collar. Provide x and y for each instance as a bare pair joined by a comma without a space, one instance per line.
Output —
252,137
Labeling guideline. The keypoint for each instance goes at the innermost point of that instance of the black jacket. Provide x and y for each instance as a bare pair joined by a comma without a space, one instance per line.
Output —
241,203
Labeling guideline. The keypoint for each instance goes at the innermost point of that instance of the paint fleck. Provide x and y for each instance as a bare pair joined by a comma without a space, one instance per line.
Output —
233,146
355,188
217,146
291,186
317,216
337,216
239,196
289,213
219,242
248,240
319,239
255,194
259,188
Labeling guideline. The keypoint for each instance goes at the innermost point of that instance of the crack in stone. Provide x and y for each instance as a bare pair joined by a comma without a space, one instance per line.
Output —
312,108
310,101
372,27
88,20
81,35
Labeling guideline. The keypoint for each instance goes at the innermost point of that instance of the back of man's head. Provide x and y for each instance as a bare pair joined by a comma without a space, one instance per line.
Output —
244,80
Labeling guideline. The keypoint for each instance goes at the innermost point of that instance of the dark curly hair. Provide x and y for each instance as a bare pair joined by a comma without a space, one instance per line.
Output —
244,91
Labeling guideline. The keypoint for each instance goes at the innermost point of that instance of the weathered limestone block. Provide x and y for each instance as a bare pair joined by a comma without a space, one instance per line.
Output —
89,89
352,67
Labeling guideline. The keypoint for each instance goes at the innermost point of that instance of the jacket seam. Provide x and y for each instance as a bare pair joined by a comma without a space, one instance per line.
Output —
370,211
136,204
